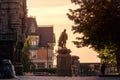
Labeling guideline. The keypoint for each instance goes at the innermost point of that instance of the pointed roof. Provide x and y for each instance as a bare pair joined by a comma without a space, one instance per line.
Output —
31,28
46,34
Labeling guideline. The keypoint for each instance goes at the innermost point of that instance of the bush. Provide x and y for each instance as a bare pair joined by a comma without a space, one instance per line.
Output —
52,70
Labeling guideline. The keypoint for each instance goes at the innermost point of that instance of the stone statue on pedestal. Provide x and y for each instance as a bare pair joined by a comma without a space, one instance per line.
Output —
62,39
63,58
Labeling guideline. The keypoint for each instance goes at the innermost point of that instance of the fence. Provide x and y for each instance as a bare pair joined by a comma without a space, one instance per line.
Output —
94,69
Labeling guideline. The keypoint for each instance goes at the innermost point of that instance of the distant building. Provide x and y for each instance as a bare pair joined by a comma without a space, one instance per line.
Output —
46,46
42,40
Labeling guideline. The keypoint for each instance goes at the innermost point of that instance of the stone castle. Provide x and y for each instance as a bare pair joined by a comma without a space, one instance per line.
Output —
13,15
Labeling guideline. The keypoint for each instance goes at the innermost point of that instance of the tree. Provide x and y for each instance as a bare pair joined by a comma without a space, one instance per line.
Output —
99,22
25,56
107,55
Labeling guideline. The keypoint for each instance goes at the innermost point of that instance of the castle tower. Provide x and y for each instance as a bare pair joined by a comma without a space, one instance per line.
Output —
12,25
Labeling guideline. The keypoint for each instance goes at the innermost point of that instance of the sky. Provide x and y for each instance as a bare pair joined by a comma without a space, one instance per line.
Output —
53,12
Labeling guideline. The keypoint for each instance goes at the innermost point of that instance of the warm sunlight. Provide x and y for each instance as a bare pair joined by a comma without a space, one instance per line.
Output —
54,12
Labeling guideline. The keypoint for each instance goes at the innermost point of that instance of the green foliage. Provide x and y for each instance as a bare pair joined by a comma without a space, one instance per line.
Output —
51,70
25,57
99,23
108,54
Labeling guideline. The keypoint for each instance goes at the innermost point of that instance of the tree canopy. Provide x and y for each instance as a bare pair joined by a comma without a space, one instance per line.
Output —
99,23
26,56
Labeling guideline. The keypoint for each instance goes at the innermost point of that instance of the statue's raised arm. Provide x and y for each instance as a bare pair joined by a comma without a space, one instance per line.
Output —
62,39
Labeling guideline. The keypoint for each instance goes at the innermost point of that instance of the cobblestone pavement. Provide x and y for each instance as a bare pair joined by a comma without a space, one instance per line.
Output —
62,78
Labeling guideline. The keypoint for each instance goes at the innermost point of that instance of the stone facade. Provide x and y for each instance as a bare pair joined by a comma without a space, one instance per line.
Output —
41,44
64,62
12,25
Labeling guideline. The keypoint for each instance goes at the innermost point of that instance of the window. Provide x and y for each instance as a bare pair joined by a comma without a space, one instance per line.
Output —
32,28
50,54
33,54
50,66
41,65
34,40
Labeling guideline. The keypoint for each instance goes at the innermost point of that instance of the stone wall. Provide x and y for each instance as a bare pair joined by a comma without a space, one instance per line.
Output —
64,64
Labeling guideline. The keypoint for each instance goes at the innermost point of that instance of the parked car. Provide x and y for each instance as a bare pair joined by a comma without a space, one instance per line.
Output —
6,69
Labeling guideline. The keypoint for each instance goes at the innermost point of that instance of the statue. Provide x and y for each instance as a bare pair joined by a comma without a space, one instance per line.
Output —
63,58
62,39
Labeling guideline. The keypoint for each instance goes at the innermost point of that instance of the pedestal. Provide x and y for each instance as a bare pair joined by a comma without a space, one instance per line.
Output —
18,69
64,62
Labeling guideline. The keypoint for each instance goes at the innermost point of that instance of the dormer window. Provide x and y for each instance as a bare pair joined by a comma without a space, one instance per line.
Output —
33,28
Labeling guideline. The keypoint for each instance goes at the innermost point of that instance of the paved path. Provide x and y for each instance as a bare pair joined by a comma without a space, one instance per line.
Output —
62,78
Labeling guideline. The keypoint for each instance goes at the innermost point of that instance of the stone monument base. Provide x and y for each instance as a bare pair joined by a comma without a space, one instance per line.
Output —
18,69
64,62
